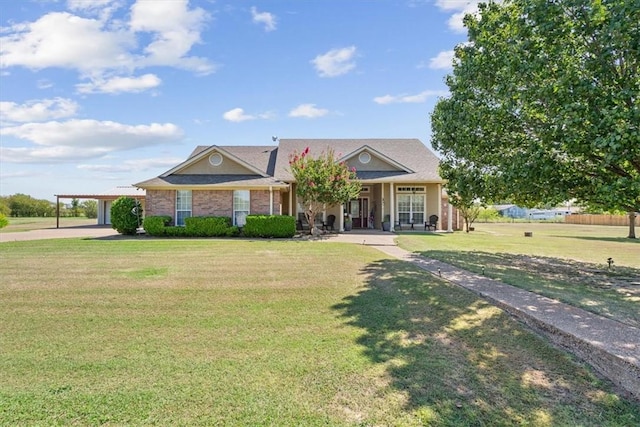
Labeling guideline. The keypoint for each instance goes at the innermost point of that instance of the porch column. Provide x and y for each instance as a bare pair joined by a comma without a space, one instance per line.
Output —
392,204
440,204
341,219
270,200
449,216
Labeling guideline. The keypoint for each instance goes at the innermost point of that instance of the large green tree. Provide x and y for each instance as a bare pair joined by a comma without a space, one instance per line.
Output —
545,104
322,181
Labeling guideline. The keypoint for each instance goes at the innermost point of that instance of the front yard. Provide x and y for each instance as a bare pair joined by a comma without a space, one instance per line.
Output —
214,332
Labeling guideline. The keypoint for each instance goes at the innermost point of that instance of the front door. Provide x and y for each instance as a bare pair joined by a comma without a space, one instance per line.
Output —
360,212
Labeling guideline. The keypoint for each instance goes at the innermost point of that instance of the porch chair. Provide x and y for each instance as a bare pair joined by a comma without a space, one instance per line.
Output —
328,224
431,223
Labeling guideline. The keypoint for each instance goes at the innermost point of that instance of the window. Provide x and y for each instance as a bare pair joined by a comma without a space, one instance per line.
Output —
241,205
215,159
183,206
411,208
364,157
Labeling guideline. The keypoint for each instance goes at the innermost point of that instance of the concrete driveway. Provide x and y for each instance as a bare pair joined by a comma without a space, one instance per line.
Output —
59,233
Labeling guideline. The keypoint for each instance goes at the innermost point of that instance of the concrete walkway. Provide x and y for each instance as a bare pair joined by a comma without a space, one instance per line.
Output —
611,347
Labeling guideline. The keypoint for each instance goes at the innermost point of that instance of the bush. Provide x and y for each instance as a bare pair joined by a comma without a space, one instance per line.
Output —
125,214
175,231
3,221
210,226
269,226
156,225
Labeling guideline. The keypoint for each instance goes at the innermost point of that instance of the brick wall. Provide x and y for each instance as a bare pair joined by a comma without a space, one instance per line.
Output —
212,203
159,202
260,202
209,202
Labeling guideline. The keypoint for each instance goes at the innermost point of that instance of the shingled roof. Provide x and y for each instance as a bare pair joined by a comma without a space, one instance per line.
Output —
410,153
410,158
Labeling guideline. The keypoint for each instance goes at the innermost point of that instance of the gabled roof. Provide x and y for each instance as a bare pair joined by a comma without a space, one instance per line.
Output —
258,160
414,161
246,156
378,155
403,160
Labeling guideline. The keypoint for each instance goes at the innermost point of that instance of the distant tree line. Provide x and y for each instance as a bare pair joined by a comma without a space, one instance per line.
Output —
22,205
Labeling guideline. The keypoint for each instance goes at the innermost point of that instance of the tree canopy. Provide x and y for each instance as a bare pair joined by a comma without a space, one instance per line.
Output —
545,104
322,181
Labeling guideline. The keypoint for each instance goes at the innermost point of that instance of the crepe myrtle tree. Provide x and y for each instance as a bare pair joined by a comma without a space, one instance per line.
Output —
545,103
322,181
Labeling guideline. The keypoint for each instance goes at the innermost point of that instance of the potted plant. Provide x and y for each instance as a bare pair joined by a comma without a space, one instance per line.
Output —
386,224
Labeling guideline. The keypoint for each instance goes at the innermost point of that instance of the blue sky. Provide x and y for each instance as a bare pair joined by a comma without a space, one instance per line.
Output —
100,93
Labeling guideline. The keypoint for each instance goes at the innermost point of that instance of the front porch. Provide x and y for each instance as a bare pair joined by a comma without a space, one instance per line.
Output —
383,206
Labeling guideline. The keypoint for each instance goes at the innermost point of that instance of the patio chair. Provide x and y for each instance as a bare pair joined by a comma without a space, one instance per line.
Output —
431,223
329,223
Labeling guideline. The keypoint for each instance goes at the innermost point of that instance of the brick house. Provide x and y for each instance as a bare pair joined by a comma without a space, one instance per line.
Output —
399,180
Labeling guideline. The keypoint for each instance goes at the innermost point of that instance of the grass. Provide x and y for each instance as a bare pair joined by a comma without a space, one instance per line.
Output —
562,261
586,243
213,332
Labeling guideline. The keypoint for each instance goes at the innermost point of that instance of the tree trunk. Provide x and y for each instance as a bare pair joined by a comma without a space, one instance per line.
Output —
632,225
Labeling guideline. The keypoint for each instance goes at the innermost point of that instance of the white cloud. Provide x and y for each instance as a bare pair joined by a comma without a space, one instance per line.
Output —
444,60
172,38
132,165
404,98
335,62
460,9
97,46
238,115
64,40
120,84
82,139
309,111
266,18
37,110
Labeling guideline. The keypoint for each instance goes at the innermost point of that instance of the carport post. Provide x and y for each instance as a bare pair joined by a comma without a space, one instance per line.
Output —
57,211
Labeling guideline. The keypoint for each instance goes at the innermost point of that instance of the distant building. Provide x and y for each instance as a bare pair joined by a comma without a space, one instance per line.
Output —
511,211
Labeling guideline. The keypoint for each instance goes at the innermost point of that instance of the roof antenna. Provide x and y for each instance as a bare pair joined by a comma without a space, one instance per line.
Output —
274,138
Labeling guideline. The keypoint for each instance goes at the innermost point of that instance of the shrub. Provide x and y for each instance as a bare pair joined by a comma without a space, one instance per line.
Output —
3,221
156,225
210,226
269,226
125,214
175,231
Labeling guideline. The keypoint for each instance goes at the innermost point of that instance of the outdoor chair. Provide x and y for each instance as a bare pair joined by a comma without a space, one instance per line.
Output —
431,223
329,223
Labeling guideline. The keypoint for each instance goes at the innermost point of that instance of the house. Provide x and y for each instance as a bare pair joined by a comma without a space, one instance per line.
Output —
511,211
399,179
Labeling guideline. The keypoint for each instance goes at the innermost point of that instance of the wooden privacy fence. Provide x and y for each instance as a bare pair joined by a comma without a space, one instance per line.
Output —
600,219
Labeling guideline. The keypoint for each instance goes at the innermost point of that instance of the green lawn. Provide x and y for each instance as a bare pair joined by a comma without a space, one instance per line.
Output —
562,261
214,332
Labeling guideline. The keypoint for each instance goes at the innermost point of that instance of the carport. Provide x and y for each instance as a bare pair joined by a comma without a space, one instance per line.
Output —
104,201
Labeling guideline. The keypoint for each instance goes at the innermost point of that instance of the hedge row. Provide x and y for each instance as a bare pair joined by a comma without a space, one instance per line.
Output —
221,226
269,226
